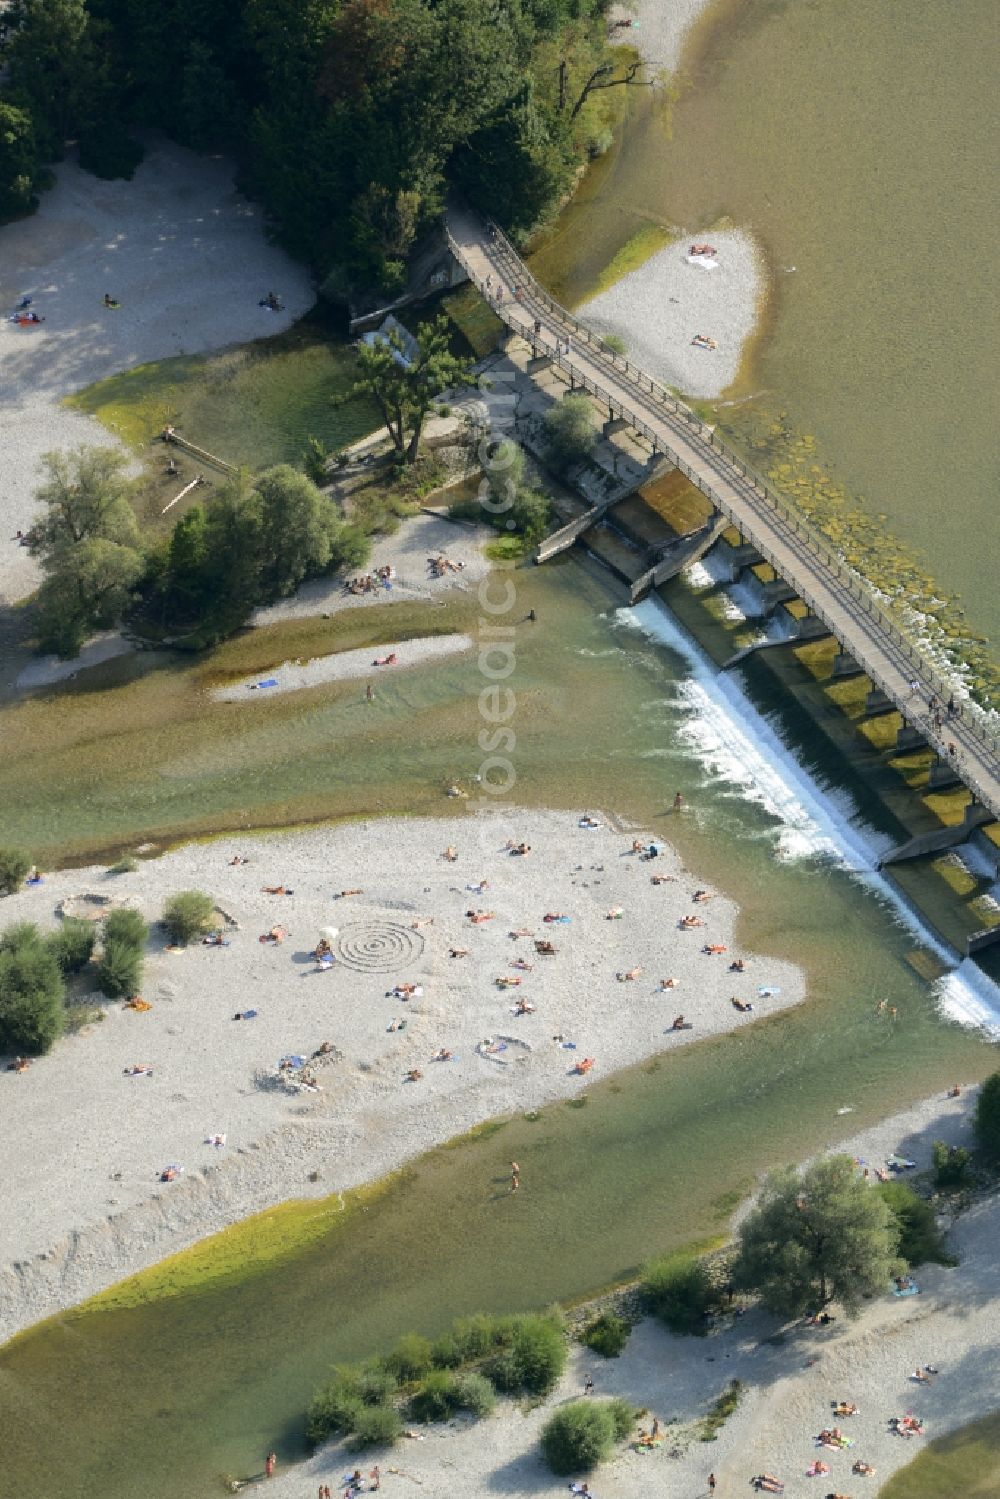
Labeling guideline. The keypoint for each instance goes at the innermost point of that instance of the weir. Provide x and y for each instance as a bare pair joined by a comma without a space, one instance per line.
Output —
895,664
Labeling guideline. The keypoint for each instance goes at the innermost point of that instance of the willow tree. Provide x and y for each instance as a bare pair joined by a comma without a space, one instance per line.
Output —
405,388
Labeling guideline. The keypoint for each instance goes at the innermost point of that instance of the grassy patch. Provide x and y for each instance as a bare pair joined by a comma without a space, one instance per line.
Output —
472,316
967,1462
252,406
637,249
720,1410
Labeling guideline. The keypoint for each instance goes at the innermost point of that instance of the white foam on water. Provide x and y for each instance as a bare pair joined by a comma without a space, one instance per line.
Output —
698,577
969,996
734,741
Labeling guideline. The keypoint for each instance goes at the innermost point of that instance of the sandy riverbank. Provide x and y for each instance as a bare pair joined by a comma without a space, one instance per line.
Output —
659,308
341,666
85,1144
186,257
790,1382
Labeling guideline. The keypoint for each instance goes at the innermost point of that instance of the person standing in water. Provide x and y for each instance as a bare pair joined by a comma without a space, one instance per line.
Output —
678,801
515,1176
271,1464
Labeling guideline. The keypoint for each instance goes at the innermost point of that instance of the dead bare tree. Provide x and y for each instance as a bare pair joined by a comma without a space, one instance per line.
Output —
600,78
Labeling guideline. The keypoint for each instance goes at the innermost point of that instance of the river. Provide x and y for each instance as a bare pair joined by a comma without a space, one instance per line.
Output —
857,139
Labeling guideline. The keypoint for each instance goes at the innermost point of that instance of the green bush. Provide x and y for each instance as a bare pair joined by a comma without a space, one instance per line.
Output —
678,1290
377,1384
479,1335
187,915
21,935
109,151
535,1358
335,1407
951,1164
720,1410
376,1426
31,997
127,927
475,1394
919,1237
607,1334
569,428
410,1358
436,1396
72,944
14,865
986,1122
445,1352
583,1433
316,460
615,343
119,973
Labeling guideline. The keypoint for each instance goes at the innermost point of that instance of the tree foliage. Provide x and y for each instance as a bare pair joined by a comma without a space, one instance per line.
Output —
72,944
19,162
920,1238
986,1121
679,1291
31,994
405,391
579,1435
119,971
815,1237
14,865
569,430
187,915
534,1359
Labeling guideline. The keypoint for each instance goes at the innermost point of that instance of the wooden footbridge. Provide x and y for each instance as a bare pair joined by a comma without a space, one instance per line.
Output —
893,661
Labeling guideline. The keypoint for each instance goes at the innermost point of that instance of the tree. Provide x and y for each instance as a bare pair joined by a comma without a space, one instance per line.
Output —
603,77
14,865
187,914
31,998
679,1291
919,1236
90,587
569,427
583,1433
534,1359
119,972
72,944
127,926
187,558
405,391
19,162
297,527
85,498
48,67
531,513
815,1238
986,1121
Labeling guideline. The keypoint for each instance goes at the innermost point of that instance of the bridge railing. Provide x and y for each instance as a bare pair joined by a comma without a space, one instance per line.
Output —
659,402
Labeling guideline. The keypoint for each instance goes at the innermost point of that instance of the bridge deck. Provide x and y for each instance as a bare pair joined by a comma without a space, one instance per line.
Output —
841,599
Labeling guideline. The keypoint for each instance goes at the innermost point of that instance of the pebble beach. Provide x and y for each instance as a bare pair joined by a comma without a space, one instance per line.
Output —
86,1142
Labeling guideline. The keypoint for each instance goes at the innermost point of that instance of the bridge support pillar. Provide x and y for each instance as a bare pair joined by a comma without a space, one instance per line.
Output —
537,363
876,702
844,665
909,738
941,775
615,424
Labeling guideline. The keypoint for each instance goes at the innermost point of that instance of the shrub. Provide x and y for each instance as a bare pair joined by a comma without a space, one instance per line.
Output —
720,1410
21,935
445,1352
108,151
436,1396
316,459
570,431
187,915
127,865
475,1394
607,1334
583,1433
335,1407
479,1335
72,944
987,1117
376,1426
119,973
535,1358
377,1383
919,1236
127,927
410,1358
14,865
31,998
678,1290
951,1163
615,343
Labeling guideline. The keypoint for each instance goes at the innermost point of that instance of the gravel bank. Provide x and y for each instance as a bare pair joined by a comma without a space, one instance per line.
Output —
84,1143
789,1384
341,666
186,257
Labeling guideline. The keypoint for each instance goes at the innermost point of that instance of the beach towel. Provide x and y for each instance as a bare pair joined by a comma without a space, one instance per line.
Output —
768,991
270,682
293,1061
906,1291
